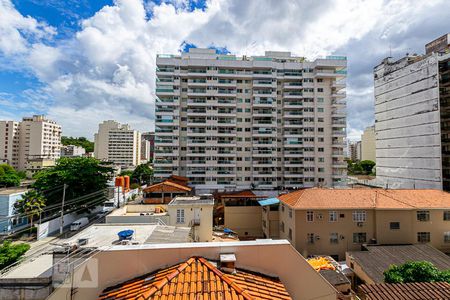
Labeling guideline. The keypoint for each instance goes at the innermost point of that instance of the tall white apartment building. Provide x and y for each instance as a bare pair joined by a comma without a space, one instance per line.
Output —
118,143
34,137
412,120
262,122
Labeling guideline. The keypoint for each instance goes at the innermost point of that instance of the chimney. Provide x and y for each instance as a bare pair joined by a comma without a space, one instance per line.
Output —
227,263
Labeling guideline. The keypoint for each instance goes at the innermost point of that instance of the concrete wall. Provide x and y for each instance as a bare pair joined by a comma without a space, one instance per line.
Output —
25,289
245,220
270,223
202,232
124,263
368,144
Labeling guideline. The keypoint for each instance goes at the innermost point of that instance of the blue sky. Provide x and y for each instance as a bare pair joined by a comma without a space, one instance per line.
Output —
82,62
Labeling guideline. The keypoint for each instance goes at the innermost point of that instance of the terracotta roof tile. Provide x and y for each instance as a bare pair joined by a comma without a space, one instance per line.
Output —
158,186
319,198
198,279
406,291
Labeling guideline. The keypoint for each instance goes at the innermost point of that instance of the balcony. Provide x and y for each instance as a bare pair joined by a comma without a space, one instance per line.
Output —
293,95
263,74
161,91
338,133
264,83
292,74
258,102
196,102
293,85
196,92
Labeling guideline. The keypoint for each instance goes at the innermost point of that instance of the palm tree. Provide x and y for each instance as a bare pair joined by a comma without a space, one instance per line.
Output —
31,204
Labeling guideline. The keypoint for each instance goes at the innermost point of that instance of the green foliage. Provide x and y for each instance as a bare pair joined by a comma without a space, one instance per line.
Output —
10,253
415,271
82,175
81,141
8,176
134,186
126,173
32,204
142,174
365,167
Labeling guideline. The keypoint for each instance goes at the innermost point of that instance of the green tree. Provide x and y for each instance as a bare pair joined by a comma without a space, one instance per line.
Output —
31,204
415,271
82,175
80,141
8,176
142,174
10,253
367,166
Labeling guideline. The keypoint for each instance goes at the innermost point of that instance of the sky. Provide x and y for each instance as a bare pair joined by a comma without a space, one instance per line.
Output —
84,61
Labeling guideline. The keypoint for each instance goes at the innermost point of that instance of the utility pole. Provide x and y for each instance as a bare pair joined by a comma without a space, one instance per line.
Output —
62,210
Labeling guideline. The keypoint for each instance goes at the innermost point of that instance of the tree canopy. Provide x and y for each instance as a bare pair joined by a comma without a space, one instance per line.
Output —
80,141
82,175
142,174
365,167
31,204
415,271
8,176
10,253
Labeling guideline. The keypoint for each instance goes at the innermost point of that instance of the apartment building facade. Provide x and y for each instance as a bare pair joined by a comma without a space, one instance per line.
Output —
261,122
368,147
118,143
33,138
149,151
331,222
412,121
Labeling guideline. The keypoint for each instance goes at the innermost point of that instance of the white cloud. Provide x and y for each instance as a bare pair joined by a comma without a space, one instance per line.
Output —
107,69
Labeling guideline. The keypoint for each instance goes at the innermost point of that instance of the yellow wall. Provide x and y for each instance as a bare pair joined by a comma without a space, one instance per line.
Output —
271,219
203,232
244,219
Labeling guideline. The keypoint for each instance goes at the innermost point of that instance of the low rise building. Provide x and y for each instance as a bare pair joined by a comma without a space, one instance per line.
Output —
163,192
202,270
369,264
8,197
37,164
332,221
72,151
195,212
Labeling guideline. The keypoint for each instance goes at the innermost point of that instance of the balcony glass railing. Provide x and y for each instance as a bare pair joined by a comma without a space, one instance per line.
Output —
164,90
222,71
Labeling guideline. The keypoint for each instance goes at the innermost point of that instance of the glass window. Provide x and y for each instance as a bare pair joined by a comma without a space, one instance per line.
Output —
359,237
309,216
423,215
310,238
447,237
359,216
334,238
180,216
290,233
332,216
423,237
447,215
394,225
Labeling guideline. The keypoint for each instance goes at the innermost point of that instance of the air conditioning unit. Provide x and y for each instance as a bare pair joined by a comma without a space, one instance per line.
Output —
360,224
319,217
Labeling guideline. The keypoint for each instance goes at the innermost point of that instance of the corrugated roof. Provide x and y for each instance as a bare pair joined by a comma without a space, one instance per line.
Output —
377,259
320,198
406,291
198,279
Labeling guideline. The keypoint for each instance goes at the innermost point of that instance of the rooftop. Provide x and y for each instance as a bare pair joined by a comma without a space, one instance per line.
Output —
406,291
162,186
322,198
377,259
13,190
192,200
193,279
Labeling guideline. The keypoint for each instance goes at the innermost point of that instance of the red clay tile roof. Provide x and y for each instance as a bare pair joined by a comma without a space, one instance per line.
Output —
197,279
318,198
406,291
238,194
158,187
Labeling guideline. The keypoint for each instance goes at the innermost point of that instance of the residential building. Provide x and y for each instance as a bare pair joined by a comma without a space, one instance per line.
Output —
369,264
145,151
9,143
150,137
72,151
118,143
405,291
412,103
355,150
163,192
368,144
33,138
441,44
261,122
37,164
222,270
333,221
195,212
8,197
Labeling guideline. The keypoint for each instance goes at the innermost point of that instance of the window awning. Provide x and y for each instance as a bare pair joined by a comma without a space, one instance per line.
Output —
269,201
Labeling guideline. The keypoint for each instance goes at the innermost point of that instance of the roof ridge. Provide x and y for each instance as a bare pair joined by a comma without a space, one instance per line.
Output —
167,278
225,278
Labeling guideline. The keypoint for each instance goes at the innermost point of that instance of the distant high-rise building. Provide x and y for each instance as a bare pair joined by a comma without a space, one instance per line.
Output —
260,122
368,144
355,150
412,120
33,138
150,138
118,143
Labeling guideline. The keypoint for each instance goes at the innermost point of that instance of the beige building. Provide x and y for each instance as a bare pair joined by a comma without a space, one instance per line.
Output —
291,277
195,212
258,122
33,138
368,144
34,165
355,150
118,143
331,222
